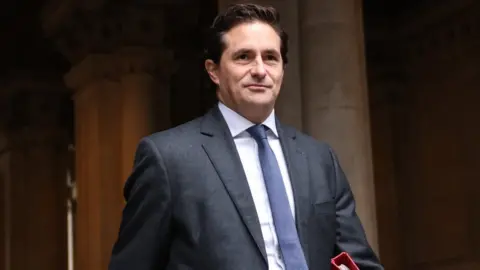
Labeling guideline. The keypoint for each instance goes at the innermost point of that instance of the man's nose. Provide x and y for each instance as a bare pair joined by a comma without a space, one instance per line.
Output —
258,68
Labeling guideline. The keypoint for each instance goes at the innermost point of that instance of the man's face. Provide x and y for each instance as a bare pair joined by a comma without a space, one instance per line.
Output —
250,72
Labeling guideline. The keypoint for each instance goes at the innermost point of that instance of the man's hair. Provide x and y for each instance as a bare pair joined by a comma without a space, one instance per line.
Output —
242,13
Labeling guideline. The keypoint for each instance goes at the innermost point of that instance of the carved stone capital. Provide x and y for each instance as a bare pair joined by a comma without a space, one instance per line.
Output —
79,30
136,60
55,13
111,27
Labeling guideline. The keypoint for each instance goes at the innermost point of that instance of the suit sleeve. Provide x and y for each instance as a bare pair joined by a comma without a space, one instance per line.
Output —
351,236
144,236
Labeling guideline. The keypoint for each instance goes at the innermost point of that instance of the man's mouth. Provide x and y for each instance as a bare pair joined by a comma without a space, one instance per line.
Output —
257,86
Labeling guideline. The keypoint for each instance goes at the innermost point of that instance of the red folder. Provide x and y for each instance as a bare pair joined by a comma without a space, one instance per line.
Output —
346,260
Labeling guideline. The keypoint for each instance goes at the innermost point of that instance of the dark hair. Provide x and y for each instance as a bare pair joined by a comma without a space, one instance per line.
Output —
237,14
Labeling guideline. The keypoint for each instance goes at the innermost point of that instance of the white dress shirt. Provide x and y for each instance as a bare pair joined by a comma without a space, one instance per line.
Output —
248,150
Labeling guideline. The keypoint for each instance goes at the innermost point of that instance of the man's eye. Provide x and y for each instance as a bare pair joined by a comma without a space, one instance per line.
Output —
242,57
271,57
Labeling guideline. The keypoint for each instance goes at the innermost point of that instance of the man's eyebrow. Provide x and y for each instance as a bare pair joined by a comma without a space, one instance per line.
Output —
243,50
272,51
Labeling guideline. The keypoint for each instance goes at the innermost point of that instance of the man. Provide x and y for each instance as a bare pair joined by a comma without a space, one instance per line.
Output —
236,189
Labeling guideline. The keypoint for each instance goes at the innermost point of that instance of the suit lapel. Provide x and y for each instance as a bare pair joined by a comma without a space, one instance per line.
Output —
297,165
221,150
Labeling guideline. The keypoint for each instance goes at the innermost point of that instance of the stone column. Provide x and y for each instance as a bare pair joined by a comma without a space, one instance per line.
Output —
119,98
33,165
97,169
120,81
145,82
335,102
289,103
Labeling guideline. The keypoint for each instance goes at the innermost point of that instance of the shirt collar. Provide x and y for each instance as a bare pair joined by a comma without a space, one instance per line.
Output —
238,124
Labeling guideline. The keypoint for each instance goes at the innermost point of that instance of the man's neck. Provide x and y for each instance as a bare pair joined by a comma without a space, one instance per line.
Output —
237,123
256,115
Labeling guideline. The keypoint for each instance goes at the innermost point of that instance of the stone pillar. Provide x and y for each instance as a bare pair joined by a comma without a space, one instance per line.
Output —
335,103
145,82
119,98
289,103
120,81
33,165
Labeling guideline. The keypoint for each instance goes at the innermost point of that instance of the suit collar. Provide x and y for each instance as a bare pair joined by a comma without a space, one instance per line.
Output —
285,131
213,123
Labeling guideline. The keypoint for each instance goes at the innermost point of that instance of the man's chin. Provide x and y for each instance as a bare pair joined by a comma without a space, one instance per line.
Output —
266,102
261,99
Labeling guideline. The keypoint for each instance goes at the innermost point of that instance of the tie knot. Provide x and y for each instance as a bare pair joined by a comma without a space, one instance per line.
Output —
258,132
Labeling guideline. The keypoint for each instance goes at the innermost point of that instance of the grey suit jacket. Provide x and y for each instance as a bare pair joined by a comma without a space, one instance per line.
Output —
189,205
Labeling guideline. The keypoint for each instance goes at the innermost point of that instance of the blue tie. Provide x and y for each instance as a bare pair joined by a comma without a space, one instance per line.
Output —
290,247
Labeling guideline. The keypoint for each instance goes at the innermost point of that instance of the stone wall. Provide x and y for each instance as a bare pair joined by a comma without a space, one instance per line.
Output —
425,137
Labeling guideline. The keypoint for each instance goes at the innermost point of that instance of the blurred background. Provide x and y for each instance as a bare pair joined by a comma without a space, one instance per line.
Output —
391,85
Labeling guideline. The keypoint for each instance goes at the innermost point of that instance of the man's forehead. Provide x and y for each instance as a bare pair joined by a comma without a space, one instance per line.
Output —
253,47
252,36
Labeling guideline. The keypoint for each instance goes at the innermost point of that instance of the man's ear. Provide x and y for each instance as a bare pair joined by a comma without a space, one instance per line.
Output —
212,70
